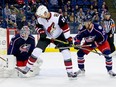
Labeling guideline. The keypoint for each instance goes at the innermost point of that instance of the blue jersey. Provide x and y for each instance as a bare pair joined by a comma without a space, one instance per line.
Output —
96,34
21,48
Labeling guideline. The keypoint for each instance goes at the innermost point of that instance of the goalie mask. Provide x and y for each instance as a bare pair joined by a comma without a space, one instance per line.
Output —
24,32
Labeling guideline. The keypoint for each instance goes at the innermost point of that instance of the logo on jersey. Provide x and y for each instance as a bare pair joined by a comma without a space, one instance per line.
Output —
90,38
25,47
51,28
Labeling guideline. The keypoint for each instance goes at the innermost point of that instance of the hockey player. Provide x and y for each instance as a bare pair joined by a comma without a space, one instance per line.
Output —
21,46
96,36
50,26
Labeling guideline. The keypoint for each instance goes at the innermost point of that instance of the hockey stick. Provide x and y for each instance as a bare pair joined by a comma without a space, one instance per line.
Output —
60,41
110,55
78,46
82,47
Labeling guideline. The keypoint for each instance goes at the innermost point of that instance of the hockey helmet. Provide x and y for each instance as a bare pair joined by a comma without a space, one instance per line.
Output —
41,10
24,32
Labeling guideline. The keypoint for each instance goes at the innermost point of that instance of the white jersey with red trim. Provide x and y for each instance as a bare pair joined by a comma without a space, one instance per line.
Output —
54,26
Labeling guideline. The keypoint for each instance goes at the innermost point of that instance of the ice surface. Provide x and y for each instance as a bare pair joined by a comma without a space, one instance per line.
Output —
53,73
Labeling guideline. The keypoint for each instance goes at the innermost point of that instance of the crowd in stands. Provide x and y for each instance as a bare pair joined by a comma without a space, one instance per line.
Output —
75,11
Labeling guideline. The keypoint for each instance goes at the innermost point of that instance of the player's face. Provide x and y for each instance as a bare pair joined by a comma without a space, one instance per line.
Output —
45,15
88,25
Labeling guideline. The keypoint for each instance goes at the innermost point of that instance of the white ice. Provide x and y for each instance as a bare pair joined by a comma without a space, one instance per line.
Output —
53,73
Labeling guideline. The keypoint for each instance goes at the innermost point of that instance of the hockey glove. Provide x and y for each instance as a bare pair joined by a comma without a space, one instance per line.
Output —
94,44
70,41
76,42
42,34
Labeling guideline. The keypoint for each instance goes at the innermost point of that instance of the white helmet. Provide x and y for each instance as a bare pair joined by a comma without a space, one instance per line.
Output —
41,10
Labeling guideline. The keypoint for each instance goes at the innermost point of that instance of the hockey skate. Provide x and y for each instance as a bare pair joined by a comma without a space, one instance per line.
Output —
111,73
80,72
71,75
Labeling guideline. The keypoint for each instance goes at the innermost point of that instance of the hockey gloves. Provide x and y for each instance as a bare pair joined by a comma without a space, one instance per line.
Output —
94,44
70,41
76,42
42,34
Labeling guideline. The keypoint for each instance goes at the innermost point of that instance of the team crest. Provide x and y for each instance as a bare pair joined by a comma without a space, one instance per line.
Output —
25,47
90,38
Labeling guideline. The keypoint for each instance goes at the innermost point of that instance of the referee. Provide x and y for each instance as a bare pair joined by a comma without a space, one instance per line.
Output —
109,26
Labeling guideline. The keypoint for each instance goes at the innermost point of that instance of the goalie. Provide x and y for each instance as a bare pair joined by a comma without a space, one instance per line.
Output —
21,47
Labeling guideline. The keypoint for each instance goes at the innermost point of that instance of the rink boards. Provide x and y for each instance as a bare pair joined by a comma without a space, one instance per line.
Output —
50,48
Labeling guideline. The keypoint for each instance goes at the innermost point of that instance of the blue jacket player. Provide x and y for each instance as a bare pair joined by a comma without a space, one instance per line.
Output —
22,45
95,35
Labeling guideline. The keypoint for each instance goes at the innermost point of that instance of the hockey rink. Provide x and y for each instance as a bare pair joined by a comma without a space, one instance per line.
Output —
53,73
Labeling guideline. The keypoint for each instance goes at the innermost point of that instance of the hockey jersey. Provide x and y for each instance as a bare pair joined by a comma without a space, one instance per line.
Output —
21,48
54,25
96,34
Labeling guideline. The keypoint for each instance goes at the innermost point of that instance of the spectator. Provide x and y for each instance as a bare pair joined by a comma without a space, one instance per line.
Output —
66,16
14,9
60,11
69,7
106,7
72,18
88,15
54,2
21,23
80,16
13,17
76,8
20,15
96,19
33,8
7,11
54,5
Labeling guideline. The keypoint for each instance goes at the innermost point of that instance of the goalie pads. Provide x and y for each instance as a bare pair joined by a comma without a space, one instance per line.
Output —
8,64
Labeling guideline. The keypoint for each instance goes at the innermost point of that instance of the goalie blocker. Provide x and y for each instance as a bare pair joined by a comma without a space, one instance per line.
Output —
8,64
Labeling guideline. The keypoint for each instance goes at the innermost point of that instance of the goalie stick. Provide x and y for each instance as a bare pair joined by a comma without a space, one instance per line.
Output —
2,58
